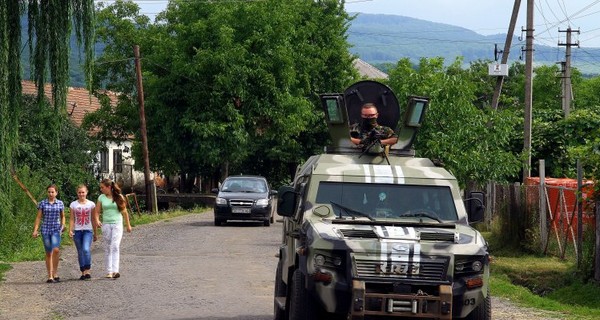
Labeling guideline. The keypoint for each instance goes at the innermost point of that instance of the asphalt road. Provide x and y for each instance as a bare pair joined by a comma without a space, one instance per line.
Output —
185,268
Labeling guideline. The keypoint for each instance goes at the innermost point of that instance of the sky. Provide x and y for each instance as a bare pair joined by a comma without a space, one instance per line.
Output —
482,16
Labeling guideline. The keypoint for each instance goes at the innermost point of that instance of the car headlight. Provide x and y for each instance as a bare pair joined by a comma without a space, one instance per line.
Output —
221,201
262,202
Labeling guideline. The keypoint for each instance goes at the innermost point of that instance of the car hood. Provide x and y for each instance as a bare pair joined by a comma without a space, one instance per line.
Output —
243,195
458,234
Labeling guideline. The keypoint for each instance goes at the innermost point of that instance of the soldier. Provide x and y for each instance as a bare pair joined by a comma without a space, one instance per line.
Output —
364,133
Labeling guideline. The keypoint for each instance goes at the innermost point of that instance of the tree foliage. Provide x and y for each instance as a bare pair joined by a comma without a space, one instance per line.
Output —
66,166
472,142
231,83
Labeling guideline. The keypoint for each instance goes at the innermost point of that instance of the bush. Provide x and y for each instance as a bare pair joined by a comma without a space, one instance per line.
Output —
18,216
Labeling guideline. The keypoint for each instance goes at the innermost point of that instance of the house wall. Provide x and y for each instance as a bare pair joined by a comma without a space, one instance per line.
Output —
107,165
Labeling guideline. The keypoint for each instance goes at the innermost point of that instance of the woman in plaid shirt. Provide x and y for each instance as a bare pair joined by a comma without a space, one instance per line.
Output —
51,212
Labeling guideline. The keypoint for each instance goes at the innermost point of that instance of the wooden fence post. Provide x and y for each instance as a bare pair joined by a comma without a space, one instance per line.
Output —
516,212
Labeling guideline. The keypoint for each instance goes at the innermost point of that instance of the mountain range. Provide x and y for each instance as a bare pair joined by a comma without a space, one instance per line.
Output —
382,40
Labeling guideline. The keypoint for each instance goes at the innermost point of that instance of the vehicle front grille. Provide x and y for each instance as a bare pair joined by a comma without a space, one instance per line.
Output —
241,203
353,233
437,236
425,268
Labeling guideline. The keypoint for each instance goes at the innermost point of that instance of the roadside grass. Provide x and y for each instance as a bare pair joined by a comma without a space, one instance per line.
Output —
137,220
3,268
543,282
33,250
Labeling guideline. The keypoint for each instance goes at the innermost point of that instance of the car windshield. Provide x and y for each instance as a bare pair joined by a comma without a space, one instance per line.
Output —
244,185
388,201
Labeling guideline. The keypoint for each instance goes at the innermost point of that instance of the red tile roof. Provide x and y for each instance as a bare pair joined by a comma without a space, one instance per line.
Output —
79,100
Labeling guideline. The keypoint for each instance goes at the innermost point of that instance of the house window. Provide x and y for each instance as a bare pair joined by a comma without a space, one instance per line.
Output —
118,160
104,161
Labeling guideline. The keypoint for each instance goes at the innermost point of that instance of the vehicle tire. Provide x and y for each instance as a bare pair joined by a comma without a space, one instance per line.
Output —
280,291
218,222
267,222
483,311
302,306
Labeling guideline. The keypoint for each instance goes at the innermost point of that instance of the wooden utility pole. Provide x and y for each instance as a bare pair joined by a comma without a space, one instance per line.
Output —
140,88
567,96
528,90
506,51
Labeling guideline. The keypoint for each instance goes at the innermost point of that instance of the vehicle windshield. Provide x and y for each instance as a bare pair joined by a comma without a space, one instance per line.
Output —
388,201
244,185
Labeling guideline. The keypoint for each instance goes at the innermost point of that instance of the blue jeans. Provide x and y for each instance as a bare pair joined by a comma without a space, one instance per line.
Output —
83,242
51,241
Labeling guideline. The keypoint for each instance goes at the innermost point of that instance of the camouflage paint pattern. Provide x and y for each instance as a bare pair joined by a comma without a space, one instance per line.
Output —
392,253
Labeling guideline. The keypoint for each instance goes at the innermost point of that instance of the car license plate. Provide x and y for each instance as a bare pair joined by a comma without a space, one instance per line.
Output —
240,210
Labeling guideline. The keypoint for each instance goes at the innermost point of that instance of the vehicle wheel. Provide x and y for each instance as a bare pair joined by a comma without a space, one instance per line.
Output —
218,222
267,222
483,311
272,218
280,291
302,306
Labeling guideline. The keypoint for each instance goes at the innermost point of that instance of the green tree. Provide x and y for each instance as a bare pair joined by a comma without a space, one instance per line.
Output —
235,84
67,166
471,142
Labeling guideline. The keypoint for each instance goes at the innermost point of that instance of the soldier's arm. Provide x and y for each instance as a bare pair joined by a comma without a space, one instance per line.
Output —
355,135
391,139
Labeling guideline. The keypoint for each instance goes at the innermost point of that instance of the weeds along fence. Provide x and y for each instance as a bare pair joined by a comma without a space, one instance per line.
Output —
517,217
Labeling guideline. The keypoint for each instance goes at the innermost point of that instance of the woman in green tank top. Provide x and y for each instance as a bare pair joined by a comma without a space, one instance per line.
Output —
112,208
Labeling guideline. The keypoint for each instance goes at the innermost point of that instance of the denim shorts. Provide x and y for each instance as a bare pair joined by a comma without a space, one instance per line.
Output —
51,241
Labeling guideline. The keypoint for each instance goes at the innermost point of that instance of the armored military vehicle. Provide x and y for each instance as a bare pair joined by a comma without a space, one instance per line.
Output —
376,233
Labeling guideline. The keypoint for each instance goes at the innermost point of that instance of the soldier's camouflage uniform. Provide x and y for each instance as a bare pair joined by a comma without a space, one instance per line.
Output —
382,132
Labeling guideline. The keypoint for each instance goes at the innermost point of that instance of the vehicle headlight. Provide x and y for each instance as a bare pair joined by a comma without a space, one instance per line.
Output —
221,201
465,265
477,266
262,202
319,260
337,261
328,260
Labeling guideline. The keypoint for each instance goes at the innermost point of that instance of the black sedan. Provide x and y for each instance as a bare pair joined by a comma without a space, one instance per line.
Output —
244,198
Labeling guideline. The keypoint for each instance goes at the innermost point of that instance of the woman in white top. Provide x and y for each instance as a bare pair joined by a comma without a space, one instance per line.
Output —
82,229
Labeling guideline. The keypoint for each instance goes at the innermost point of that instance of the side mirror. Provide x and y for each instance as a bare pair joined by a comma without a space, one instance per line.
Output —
273,192
475,206
286,201
214,190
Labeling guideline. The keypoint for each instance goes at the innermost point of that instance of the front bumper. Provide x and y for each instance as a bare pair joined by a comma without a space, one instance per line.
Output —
417,305
382,298
251,213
